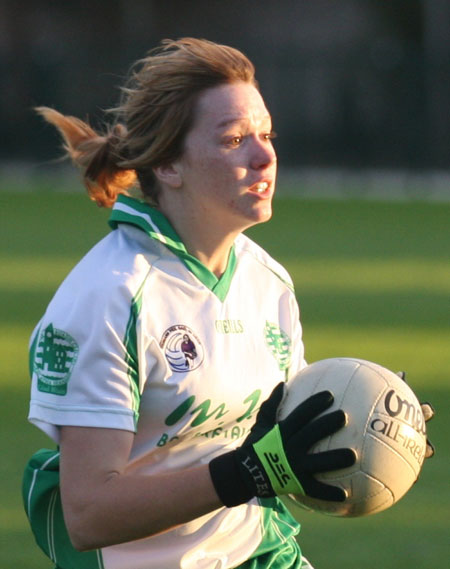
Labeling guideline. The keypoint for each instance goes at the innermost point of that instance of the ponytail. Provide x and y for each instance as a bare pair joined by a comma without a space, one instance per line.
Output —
98,156
158,107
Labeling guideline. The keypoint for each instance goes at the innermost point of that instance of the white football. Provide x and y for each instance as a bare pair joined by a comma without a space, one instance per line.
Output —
385,427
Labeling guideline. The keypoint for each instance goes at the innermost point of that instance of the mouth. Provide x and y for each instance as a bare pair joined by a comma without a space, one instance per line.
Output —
262,189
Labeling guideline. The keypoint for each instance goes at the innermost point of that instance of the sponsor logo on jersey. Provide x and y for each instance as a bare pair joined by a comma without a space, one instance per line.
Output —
279,344
54,359
229,326
182,348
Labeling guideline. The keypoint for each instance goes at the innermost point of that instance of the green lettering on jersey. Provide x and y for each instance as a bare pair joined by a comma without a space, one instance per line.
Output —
253,399
203,410
54,358
203,415
181,410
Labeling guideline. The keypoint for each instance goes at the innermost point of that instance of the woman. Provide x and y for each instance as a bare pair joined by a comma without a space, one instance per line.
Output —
159,347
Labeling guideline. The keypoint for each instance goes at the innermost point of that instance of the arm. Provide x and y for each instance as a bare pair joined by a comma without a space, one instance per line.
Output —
103,505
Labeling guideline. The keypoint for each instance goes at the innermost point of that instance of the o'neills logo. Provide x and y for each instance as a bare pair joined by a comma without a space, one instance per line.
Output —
404,425
182,348
402,408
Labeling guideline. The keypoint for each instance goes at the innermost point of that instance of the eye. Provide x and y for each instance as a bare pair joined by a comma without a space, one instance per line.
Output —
236,140
270,135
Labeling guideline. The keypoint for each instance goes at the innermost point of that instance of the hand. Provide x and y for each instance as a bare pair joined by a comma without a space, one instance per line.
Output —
274,458
428,414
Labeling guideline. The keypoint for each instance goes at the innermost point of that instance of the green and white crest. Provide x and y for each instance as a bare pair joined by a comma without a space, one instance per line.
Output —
279,344
54,359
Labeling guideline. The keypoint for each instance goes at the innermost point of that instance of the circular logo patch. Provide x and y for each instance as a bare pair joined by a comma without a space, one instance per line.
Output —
182,348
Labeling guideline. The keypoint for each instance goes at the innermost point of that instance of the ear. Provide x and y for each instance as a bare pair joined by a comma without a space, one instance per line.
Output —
169,175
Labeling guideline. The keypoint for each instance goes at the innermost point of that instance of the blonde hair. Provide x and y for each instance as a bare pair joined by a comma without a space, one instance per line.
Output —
154,115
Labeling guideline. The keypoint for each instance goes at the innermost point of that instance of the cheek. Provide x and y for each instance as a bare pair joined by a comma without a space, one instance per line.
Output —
217,176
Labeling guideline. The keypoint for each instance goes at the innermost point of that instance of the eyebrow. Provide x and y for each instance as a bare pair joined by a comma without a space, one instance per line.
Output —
232,120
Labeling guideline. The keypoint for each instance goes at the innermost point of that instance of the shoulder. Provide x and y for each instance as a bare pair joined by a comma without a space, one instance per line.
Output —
111,273
247,249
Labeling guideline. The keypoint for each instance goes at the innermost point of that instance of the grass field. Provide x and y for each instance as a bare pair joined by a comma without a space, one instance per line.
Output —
373,281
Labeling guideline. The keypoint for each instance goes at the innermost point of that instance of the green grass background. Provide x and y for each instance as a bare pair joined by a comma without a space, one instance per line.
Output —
373,281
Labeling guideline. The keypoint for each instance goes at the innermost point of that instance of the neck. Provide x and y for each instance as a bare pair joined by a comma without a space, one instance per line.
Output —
208,242
214,258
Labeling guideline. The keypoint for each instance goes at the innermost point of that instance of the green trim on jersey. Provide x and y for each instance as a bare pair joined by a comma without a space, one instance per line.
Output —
157,226
42,502
131,353
289,285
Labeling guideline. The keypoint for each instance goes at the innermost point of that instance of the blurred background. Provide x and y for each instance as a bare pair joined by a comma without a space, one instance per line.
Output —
360,95
359,89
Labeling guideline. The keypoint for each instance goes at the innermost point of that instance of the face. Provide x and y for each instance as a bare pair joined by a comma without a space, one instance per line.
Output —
228,167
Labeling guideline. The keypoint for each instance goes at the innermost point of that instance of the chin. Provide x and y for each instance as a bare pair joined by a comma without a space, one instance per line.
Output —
259,215
265,212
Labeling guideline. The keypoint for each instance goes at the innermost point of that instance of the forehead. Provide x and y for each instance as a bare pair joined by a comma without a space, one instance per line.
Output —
231,103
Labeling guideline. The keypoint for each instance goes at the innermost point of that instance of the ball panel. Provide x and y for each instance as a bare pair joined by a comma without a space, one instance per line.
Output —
385,427
377,498
384,463
358,394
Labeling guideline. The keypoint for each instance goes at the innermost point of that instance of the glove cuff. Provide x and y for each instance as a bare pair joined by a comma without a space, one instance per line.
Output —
227,480
272,456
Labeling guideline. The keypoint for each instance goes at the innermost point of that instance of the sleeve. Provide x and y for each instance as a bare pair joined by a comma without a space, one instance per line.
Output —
87,360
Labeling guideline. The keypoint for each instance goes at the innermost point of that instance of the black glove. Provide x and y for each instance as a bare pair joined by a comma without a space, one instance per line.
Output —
428,414
274,459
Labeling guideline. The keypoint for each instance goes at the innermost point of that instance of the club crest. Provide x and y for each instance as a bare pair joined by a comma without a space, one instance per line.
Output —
279,344
54,359
182,348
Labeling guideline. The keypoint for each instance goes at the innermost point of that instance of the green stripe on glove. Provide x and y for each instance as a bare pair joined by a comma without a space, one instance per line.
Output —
271,453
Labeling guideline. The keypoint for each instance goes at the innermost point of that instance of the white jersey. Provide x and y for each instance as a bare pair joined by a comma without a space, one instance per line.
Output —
142,337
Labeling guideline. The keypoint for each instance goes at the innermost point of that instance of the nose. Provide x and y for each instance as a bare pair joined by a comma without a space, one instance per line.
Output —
263,154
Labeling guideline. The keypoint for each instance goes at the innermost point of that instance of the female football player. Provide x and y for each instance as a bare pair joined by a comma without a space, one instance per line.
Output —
159,365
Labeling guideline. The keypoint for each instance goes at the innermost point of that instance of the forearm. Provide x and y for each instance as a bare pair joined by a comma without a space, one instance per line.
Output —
104,504
129,507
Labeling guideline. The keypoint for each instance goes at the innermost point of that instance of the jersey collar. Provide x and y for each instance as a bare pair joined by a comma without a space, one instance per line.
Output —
157,226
